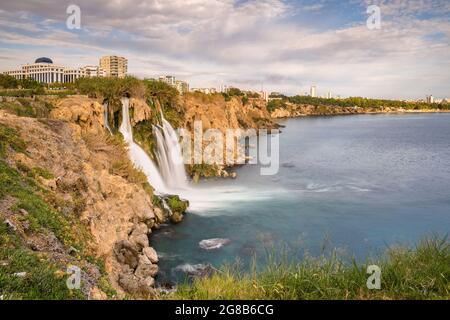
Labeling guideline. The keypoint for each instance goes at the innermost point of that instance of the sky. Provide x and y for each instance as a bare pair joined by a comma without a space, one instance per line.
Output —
278,45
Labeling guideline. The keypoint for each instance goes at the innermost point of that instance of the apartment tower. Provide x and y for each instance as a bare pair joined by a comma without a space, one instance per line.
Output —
114,66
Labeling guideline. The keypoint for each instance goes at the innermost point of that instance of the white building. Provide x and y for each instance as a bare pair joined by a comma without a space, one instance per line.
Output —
264,95
72,75
430,99
205,90
93,71
45,71
181,86
42,70
224,88
170,80
114,66
313,91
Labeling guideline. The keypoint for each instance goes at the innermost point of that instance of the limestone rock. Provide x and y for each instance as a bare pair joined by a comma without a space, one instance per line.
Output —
148,282
145,270
159,214
142,111
85,112
151,254
129,282
126,253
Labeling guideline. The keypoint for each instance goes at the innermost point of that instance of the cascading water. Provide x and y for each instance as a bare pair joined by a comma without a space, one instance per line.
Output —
169,155
105,117
138,156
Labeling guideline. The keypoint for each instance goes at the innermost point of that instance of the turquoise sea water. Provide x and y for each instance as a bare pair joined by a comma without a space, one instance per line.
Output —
359,183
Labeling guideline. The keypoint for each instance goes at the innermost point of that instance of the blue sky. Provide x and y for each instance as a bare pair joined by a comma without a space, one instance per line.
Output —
283,45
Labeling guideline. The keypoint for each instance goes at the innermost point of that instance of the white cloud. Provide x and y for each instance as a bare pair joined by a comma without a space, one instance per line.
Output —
245,43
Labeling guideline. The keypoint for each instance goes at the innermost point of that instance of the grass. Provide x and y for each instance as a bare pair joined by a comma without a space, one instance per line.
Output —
27,192
9,138
420,273
45,272
42,281
176,204
25,107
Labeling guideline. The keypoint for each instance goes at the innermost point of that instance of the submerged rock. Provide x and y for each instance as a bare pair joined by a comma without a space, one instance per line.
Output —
196,270
213,244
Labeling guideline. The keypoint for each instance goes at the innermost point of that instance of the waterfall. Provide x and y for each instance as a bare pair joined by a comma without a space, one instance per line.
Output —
169,156
138,156
105,117
169,175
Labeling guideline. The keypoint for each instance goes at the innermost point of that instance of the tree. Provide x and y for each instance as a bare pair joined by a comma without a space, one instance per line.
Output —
8,82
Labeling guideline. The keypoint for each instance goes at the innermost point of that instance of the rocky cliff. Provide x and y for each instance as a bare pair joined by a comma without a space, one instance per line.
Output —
89,182
214,112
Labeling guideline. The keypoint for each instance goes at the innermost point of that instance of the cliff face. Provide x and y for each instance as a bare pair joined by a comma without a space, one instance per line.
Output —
91,180
214,112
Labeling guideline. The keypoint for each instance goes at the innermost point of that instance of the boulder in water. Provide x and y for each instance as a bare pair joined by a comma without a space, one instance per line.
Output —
213,244
196,270
175,207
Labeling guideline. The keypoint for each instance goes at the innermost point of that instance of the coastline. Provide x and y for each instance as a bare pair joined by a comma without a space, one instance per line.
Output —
283,115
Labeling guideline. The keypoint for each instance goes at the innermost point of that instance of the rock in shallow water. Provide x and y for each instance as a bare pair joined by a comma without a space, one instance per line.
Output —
213,244
196,270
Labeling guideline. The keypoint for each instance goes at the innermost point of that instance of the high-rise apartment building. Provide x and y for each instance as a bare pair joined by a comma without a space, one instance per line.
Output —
114,66
182,86
313,91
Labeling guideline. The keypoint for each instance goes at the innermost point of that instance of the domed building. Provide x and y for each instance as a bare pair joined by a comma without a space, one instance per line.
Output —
45,71
43,60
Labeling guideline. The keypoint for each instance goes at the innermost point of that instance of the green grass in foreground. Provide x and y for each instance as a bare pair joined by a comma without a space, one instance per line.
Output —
420,273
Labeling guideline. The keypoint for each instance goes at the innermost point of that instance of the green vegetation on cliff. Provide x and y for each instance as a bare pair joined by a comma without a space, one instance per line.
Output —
25,274
420,273
40,234
26,107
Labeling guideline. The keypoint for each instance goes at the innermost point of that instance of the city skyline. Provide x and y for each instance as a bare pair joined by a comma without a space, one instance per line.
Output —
286,45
